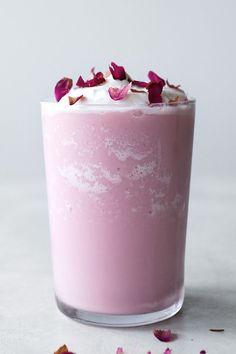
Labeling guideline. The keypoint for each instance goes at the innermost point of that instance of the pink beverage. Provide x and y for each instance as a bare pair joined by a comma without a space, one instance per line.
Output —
118,187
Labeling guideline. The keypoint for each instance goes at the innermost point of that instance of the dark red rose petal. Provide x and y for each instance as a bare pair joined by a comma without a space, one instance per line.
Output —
216,329
163,335
153,77
139,83
80,82
117,72
154,93
97,79
62,88
119,93
73,100
202,352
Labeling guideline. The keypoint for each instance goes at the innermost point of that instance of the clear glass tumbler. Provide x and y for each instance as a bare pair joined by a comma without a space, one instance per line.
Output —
118,188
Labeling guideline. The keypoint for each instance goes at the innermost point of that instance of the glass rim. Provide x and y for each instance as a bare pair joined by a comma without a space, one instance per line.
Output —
190,101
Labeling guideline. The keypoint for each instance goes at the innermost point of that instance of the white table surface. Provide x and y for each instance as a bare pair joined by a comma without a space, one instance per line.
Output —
30,322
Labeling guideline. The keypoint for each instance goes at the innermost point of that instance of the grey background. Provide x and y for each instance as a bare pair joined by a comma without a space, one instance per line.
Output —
189,42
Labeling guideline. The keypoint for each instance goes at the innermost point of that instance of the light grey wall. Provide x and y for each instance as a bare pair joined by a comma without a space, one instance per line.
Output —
190,42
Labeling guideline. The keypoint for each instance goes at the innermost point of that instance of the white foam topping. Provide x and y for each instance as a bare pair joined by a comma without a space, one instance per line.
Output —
100,95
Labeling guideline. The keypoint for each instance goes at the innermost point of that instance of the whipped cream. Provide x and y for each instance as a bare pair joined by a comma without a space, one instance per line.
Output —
99,95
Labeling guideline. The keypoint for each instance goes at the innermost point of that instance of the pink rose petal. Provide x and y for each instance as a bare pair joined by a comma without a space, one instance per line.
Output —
118,72
73,100
153,77
119,350
154,93
119,93
139,83
163,335
98,79
167,351
62,88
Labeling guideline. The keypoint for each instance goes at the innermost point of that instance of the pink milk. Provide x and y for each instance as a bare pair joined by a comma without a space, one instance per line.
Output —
118,188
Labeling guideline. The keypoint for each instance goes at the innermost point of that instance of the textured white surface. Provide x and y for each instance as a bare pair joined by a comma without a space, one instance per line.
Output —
30,322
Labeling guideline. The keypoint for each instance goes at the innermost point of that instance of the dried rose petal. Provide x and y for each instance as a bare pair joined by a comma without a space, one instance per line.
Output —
154,93
202,352
153,77
174,100
155,87
119,350
178,99
119,93
62,349
97,79
118,72
173,86
216,329
163,335
139,83
93,71
62,87
73,100
167,351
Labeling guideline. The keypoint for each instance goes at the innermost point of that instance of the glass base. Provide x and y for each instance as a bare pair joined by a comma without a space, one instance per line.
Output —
106,320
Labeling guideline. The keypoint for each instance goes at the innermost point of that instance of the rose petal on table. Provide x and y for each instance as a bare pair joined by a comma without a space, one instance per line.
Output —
216,329
202,352
119,93
119,350
164,335
62,349
73,100
62,87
